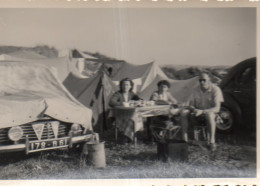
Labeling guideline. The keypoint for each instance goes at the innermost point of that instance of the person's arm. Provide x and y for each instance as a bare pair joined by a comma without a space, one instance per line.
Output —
154,96
172,99
115,100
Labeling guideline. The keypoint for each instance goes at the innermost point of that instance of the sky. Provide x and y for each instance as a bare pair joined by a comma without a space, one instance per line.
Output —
188,36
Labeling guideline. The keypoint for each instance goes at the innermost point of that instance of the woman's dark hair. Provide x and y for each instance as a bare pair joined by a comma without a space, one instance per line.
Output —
164,82
121,84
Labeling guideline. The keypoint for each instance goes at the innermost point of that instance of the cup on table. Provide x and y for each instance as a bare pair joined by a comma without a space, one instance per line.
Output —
126,104
132,103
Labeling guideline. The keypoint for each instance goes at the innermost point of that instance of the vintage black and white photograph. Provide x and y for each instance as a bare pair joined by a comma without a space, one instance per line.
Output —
127,93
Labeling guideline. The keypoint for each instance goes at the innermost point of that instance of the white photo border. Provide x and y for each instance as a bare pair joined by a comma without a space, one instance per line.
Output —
144,4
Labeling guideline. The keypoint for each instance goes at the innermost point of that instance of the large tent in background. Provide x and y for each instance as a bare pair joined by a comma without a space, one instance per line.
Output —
90,76
142,75
60,64
180,89
89,90
148,75
87,65
79,54
93,92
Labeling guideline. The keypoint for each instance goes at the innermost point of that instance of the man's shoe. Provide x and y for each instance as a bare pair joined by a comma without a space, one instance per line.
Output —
212,147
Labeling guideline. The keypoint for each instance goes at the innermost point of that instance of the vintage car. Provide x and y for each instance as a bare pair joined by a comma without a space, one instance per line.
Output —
239,91
37,113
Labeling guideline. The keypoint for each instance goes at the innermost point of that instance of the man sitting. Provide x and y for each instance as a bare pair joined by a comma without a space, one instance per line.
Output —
205,101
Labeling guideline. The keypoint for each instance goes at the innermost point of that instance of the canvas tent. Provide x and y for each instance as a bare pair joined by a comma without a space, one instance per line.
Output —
93,92
79,54
142,75
180,89
90,90
87,65
148,75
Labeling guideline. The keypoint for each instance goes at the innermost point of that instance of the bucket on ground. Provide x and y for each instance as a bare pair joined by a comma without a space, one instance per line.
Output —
96,154
172,150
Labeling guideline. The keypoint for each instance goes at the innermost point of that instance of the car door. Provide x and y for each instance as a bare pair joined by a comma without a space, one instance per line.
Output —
245,93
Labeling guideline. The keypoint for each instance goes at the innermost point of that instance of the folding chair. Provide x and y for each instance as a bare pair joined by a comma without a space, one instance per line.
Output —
162,133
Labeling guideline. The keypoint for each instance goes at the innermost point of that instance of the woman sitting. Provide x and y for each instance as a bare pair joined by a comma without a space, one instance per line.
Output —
125,93
163,97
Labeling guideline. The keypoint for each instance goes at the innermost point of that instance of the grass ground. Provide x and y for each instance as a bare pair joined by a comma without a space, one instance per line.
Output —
125,161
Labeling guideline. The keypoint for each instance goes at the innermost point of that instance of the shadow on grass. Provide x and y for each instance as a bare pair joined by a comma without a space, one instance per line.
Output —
55,155
143,156
14,157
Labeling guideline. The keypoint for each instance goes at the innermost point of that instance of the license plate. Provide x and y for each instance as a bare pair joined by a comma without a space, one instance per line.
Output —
39,145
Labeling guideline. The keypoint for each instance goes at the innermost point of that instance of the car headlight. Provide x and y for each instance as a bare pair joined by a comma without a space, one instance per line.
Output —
15,133
75,127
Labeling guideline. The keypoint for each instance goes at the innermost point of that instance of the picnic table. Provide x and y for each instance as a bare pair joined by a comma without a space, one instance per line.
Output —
130,119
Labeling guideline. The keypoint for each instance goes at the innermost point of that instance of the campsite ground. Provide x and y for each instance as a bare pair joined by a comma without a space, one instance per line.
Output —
235,157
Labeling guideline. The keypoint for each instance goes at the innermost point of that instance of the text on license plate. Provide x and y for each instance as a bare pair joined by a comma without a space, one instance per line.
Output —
48,144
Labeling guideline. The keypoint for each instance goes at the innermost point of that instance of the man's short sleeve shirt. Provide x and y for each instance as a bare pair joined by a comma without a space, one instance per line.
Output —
208,99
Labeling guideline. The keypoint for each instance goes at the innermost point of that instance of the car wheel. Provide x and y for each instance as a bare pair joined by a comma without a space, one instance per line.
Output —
225,120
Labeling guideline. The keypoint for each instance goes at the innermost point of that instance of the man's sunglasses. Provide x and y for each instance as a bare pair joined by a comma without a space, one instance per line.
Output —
202,80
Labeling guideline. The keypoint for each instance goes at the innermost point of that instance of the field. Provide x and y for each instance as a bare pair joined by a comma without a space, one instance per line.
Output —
235,157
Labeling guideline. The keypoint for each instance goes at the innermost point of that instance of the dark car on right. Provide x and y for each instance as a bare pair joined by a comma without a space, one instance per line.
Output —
238,111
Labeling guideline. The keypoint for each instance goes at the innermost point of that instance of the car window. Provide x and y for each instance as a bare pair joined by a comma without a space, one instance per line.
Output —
247,77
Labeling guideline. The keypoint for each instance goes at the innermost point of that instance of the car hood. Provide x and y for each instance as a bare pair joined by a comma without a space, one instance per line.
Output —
29,91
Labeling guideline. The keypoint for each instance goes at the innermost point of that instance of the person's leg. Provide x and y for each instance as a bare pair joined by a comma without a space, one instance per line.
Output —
210,120
185,123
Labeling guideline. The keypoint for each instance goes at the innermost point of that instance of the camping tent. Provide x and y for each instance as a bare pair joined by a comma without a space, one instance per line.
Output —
90,90
93,92
142,75
148,75
79,54
180,89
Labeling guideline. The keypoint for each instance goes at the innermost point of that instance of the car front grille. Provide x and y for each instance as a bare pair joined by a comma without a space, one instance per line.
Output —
4,135
47,133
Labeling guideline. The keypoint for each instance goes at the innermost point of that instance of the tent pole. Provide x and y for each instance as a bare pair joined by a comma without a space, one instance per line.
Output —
103,104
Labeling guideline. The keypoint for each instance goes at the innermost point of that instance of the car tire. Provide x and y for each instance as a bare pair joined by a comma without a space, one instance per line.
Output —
225,121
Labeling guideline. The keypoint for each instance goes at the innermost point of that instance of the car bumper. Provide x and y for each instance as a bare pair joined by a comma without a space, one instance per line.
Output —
73,140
